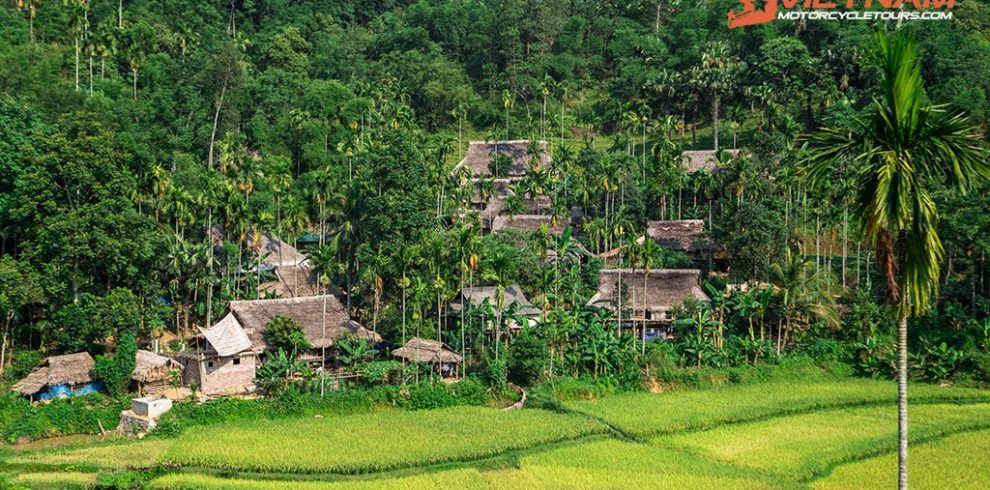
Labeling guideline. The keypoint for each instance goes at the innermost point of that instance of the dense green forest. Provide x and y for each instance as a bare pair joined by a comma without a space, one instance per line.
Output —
129,129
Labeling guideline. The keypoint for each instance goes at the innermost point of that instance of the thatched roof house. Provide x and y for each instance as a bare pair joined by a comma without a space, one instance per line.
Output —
427,351
253,316
520,158
664,290
63,375
477,296
695,160
153,372
529,222
685,235
228,365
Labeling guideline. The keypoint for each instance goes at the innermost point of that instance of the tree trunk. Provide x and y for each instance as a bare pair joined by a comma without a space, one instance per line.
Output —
902,416
76,44
716,102
618,307
323,347
120,14
3,342
209,281
216,120
845,241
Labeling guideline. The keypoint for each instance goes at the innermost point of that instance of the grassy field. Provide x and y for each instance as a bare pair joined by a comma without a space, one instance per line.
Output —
958,462
375,442
821,435
646,414
805,445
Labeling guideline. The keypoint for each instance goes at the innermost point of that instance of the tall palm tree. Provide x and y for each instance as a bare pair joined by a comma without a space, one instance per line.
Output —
901,146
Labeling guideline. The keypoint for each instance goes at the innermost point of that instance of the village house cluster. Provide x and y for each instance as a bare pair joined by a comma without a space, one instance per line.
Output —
224,358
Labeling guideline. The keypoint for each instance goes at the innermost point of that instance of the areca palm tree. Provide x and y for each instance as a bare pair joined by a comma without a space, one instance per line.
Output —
901,146
804,293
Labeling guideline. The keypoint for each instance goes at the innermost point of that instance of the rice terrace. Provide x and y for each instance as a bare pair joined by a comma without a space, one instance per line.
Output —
830,434
494,244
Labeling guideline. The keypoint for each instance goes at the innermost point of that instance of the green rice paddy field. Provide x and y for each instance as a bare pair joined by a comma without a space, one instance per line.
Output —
838,434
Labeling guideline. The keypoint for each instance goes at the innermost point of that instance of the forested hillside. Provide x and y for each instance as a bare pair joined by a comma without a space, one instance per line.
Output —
129,129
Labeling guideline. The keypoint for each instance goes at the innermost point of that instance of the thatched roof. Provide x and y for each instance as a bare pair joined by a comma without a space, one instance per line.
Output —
479,155
428,351
293,282
665,289
529,222
227,337
477,296
682,234
153,367
494,206
253,316
695,160
69,369
277,253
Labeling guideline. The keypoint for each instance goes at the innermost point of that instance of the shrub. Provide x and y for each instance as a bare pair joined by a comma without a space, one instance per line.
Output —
75,415
496,374
385,372
115,372
825,349
22,363
528,355
284,333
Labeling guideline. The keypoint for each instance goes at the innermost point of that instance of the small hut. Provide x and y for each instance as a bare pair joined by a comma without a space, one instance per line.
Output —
430,352
154,373
60,377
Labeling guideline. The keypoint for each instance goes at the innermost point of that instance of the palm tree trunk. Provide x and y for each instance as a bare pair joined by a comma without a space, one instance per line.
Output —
76,44
716,102
902,416
209,278
323,347
618,307
646,274
216,120
845,241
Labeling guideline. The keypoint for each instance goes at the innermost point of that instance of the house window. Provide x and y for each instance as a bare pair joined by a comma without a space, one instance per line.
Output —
237,361
209,364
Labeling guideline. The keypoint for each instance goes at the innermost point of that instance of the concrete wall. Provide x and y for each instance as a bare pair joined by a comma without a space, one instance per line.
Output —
222,376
